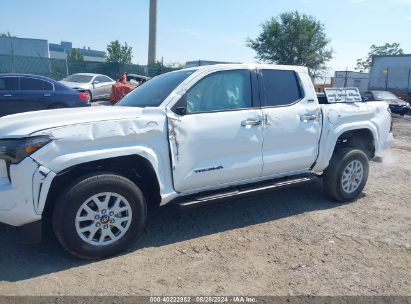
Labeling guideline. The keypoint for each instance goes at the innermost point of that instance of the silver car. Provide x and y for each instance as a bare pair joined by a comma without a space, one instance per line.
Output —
96,86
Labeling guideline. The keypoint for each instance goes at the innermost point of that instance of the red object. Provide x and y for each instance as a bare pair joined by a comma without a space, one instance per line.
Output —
119,90
123,78
83,96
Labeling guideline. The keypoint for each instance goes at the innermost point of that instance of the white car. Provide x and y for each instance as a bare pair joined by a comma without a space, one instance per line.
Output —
188,137
96,86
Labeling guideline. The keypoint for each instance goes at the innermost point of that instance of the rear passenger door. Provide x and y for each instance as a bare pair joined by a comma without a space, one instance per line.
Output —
292,122
9,86
34,94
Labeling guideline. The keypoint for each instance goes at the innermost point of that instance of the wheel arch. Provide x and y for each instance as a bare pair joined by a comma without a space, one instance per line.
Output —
134,167
364,137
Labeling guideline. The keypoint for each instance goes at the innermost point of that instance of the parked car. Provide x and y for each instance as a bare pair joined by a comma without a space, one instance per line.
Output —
137,79
96,86
397,105
22,93
125,85
188,137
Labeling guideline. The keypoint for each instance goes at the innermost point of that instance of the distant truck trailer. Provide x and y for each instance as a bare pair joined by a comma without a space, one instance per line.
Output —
392,73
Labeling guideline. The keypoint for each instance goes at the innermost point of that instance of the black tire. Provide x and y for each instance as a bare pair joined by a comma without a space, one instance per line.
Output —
71,200
332,177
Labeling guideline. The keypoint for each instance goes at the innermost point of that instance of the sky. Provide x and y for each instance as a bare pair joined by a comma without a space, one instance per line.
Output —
207,29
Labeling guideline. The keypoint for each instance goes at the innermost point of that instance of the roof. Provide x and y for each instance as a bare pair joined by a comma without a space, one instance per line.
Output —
88,74
28,75
250,66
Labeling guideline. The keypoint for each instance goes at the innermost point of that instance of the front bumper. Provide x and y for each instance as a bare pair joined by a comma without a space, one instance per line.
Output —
23,195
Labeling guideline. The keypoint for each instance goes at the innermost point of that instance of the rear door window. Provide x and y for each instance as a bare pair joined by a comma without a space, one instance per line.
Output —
281,88
9,83
31,84
102,79
48,86
105,79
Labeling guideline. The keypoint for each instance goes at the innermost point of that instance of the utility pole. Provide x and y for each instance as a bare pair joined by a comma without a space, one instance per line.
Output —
152,39
346,77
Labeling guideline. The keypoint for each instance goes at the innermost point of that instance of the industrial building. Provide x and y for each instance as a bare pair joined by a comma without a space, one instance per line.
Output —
351,79
391,73
60,51
40,48
14,46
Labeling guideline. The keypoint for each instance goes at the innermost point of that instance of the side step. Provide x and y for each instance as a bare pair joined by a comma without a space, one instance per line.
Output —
213,197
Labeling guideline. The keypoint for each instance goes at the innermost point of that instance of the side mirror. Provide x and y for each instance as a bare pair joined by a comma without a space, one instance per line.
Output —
181,111
95,82
180,108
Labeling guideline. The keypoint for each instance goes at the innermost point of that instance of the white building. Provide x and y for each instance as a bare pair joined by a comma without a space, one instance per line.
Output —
351,79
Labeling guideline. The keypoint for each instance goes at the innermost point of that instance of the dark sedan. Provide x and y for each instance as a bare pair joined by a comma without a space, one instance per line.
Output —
23,93
397,105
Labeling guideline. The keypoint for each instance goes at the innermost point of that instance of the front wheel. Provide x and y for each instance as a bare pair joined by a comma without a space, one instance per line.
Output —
99,216
346,175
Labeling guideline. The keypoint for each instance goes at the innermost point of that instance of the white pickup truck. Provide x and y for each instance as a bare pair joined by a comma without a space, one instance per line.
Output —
188,137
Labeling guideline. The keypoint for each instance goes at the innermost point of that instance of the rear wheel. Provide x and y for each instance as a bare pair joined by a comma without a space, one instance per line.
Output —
346,175
99,216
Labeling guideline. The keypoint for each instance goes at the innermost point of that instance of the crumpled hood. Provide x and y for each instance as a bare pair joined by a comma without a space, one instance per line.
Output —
25,124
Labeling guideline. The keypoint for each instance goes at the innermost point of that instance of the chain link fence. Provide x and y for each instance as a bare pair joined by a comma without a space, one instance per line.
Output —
59,68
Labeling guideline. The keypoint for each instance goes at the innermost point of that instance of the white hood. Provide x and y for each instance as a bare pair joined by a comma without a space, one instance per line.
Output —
24,124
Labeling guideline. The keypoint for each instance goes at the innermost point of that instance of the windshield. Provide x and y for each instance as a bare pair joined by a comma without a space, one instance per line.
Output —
153,92
78,78
383,95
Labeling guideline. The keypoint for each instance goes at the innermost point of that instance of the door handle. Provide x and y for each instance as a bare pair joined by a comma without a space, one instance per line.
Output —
308,117
251,122
7,95
47,95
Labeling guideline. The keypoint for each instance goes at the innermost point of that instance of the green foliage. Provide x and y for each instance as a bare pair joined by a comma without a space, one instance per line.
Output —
293,39
119,53
6,34
174,65
364,64
75,55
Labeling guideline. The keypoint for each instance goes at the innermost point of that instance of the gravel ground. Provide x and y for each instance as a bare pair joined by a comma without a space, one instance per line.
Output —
288,242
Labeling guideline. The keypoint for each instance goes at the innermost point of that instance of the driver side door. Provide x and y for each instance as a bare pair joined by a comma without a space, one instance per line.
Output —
216,133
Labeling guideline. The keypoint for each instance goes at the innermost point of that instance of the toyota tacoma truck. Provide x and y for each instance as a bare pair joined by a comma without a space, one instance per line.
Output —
188,137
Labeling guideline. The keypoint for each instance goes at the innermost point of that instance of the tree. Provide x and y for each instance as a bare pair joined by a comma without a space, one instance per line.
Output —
5,34
364,64
75,55
119,53
174,65
293,39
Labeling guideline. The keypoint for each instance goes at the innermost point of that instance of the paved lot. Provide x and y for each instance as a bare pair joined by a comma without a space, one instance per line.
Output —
101,102
286,242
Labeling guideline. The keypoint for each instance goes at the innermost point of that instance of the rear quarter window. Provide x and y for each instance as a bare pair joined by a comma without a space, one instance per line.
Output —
281,88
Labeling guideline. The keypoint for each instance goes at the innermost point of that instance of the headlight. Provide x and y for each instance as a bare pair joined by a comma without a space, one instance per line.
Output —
14,150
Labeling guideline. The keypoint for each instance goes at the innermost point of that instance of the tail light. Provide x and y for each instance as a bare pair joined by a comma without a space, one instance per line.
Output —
83,96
